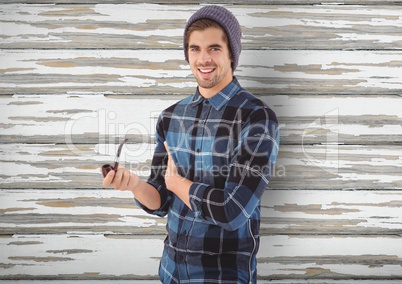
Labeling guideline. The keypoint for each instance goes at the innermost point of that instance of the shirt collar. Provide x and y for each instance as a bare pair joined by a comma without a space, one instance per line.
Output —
221,98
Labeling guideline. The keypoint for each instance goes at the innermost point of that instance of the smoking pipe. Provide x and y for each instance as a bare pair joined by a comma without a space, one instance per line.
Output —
107,168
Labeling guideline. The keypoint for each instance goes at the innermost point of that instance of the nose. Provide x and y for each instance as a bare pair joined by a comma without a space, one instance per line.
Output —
205,57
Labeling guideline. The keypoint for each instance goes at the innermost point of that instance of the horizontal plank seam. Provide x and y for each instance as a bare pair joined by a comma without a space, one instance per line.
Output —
231,3
179,49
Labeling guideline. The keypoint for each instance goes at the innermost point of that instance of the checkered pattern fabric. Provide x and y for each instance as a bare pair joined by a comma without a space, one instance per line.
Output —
227,145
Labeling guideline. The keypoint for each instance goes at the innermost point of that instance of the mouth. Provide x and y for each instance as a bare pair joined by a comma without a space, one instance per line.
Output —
206,72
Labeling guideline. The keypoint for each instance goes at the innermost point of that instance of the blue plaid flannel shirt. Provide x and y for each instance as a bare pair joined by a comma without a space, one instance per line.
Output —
227,145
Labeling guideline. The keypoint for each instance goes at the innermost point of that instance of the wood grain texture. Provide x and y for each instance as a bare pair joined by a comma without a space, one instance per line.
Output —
97,119
88,234
165,71
227,2
105,257
294,281
331,167
283,212
150,26
77,76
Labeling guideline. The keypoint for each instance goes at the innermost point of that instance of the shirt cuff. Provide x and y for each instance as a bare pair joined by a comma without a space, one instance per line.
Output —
165,201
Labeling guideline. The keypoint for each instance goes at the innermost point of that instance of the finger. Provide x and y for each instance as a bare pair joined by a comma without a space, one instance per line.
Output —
117,181
170,161
171,169
108,179
169,158
167,149
125,180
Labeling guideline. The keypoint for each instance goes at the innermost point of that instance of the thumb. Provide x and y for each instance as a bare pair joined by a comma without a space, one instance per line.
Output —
167,148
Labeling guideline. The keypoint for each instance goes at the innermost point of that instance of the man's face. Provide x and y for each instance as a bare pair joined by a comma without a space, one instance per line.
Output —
210,61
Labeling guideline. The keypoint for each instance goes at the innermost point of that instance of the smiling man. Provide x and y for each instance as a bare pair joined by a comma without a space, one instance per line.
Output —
209,57
213,158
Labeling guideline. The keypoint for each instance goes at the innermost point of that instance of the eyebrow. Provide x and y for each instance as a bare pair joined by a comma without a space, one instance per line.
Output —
215,45
211,46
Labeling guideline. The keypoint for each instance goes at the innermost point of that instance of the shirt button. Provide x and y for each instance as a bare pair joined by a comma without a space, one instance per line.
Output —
206,102
198,150
197,178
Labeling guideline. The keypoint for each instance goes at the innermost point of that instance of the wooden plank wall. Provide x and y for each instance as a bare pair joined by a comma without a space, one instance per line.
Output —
77,76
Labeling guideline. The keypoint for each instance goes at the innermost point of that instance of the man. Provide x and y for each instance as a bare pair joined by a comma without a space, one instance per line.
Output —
212,162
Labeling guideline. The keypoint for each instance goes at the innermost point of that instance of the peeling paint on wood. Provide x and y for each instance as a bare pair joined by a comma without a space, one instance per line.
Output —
312,257
298,167
280,257
148,25
260,71
330,71
332,212
231,2
105,119
283,212
93,257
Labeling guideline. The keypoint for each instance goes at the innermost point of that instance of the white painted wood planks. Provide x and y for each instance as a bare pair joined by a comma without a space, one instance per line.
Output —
147,26
97,119
122,257
69,88
297,228
297,167
165,71
284,212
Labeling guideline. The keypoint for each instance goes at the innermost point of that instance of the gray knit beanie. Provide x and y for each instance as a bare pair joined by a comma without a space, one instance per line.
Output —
228,22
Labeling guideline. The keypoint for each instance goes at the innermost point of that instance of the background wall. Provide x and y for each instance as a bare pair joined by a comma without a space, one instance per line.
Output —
75,77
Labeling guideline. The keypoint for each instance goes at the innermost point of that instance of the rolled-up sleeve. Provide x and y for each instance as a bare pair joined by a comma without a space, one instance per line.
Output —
250,170
156,178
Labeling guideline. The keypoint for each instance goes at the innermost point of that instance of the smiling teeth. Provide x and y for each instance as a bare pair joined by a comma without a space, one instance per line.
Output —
206,70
